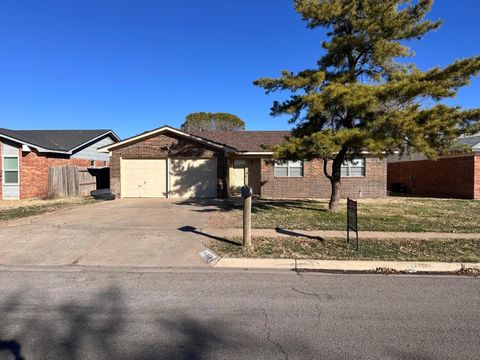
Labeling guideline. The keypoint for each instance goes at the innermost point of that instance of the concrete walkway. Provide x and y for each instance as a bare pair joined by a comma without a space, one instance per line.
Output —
329,234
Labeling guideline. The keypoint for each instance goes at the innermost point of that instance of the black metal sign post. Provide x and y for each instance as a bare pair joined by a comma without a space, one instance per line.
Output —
247,194
352,219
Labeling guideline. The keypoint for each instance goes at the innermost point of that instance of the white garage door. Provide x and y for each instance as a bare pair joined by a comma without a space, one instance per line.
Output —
186,178
143,178
193,178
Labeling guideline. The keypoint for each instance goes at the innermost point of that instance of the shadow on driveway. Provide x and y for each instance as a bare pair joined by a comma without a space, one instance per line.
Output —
258,205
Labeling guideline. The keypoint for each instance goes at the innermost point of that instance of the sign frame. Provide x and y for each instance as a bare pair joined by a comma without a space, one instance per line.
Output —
352,219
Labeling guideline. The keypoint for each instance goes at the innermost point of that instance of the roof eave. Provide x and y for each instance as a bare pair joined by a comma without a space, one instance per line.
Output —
254,152
363,152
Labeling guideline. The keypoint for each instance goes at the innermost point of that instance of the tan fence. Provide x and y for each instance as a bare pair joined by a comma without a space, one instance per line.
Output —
65,181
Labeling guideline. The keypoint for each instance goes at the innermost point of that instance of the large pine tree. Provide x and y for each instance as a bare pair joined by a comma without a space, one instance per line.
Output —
361,97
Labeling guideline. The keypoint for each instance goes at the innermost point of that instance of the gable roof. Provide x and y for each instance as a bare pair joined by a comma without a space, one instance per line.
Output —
246,141
238,141
163,129
62,141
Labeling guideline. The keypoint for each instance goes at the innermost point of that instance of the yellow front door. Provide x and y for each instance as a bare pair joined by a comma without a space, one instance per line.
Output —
238,175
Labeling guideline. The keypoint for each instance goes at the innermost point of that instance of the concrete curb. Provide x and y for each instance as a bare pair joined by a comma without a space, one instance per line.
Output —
347,265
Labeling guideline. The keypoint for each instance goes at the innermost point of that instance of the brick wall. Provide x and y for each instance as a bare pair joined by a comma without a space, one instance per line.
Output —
33,168
163,146
314,184
34,172
476,195
1,172
449,177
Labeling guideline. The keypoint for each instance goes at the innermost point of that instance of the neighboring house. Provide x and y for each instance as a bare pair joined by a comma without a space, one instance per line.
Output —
453,176
28,154
167,162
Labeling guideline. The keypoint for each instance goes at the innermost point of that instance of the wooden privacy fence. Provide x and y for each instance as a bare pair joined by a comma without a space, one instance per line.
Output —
69,180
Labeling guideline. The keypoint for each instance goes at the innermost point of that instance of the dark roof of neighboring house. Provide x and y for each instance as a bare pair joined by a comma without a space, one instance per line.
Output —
469,140
244,140
56,140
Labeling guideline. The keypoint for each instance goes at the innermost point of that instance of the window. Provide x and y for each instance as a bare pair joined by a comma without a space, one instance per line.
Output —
92,163
10,170
288,169
353,168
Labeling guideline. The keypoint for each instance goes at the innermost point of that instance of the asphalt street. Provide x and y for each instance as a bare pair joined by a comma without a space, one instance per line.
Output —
100,313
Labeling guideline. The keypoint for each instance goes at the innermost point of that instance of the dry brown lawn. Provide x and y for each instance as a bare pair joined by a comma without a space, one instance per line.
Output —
389,214
16,209
451,250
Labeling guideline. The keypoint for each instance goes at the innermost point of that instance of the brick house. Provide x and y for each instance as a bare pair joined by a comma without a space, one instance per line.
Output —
167,162
454,176
26,156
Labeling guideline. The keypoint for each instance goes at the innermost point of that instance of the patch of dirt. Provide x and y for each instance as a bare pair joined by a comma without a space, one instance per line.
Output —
225,220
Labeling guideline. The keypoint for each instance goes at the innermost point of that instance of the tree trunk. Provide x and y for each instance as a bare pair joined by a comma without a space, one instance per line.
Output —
335,178
335,194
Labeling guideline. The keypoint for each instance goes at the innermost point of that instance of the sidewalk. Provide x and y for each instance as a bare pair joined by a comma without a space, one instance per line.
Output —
326,234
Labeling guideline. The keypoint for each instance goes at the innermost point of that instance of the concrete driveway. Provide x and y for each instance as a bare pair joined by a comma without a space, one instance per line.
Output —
126,232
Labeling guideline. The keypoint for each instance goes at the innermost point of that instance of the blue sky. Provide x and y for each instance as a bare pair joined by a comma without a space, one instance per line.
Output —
133,65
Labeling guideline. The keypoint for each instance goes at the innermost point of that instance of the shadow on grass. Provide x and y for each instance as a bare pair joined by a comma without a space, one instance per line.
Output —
194,230
258,205
298,234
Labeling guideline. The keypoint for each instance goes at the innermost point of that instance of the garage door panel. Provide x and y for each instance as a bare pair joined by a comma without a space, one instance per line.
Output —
144,178
193,178
155,180
129,179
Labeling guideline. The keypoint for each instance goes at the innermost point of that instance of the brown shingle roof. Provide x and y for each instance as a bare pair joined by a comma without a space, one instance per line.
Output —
245,140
